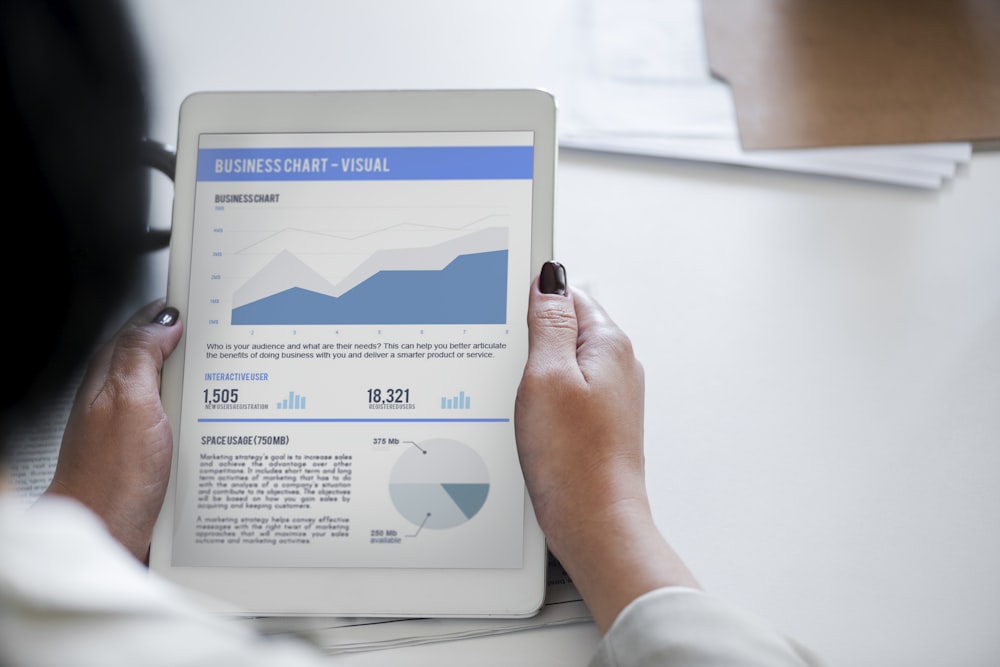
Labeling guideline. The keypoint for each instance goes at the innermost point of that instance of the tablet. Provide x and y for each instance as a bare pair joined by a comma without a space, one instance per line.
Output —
352,270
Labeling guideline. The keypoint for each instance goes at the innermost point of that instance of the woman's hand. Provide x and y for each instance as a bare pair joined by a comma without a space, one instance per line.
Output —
579,426
116,450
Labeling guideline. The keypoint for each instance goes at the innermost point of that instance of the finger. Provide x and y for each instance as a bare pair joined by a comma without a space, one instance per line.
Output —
138,348
600,340
595,326
590,315
552,324
145,314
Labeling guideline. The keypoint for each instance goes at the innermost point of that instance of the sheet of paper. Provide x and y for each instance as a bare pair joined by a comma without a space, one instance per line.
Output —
563,605
916,172
639,67
34,440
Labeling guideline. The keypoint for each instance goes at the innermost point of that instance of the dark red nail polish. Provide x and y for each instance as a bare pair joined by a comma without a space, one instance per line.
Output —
552,279
167,317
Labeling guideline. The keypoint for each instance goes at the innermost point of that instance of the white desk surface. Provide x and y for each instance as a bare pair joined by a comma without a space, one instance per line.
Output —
822,356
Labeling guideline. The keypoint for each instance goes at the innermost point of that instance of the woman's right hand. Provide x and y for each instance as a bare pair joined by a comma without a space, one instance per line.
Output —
579,426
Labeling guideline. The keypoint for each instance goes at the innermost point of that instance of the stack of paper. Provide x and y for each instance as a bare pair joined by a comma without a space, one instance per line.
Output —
636,80
563,605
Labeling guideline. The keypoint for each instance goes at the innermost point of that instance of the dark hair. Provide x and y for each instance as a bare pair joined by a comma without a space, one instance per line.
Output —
77,196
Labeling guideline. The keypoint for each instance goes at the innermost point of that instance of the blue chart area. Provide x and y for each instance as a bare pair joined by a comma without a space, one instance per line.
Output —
439,484
470,290
463,281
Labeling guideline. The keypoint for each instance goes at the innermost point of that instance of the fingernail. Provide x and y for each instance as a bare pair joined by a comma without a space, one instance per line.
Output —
552,279
167,317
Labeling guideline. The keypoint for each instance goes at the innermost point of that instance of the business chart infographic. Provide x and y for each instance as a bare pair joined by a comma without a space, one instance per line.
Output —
353,346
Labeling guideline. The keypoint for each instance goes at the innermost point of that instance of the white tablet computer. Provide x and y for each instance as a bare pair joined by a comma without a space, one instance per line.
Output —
352,270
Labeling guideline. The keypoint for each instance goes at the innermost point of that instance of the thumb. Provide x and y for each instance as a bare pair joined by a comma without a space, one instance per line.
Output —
136,352
552,323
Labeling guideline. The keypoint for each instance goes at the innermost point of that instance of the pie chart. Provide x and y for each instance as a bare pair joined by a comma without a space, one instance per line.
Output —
439,484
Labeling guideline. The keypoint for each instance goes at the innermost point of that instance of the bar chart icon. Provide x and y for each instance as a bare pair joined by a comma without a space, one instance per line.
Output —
461,401
292,402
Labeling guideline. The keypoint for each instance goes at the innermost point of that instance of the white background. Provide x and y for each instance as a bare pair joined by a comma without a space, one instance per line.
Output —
822,356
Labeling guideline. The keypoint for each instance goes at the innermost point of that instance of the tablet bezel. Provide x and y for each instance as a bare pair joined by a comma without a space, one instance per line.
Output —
383,592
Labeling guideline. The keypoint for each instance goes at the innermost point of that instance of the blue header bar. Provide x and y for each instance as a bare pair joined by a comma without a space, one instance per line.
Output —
410,163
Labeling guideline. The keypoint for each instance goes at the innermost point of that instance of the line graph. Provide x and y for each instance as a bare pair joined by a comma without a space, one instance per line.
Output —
367,268
326,235
398,286
399,253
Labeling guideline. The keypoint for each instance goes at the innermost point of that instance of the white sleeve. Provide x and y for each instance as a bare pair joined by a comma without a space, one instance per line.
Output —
71,595
683,627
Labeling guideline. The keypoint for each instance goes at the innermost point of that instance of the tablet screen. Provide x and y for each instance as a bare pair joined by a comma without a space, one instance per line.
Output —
354,340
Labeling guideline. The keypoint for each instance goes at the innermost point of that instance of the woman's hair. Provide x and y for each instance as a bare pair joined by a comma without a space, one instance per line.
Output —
76,193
